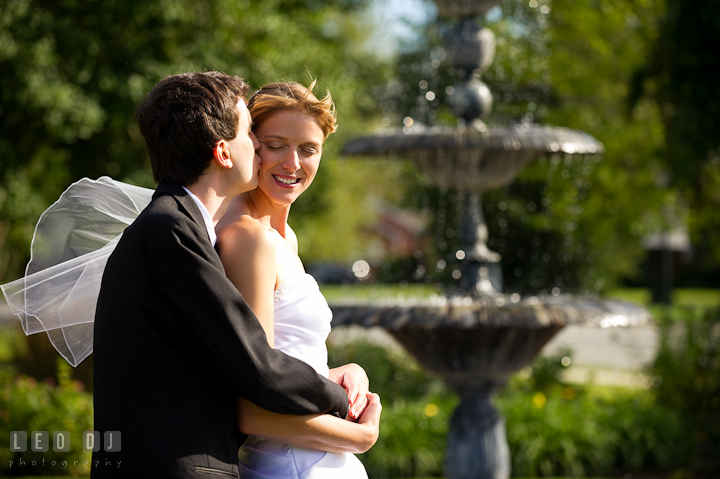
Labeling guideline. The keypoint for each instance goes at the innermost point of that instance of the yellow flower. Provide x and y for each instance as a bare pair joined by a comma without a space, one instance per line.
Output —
539,400
431,410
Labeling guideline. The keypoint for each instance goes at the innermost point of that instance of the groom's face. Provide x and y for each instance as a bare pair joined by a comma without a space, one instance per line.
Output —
243,150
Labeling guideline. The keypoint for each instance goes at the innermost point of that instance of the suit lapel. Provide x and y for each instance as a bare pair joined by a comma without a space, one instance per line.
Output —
184,200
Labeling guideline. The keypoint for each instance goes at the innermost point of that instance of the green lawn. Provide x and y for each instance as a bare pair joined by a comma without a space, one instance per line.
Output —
334,292
681,297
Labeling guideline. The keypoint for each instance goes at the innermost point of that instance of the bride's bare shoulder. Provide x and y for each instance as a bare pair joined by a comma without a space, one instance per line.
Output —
245,233
239,232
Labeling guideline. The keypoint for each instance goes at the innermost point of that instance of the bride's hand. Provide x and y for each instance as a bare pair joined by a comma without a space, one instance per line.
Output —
370,417
353,379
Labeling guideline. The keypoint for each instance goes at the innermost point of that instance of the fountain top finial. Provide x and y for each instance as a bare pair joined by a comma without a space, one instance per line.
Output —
464,8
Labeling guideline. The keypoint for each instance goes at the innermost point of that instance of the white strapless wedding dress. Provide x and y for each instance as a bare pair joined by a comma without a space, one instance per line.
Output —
302,323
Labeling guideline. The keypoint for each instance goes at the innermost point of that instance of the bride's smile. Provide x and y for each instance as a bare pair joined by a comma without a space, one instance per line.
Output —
290,148
286,180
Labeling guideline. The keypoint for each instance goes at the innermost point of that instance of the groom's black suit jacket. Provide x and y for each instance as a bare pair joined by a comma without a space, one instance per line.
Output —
175,344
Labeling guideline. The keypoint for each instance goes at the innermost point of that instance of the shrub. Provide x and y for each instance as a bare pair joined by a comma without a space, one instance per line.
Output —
416,411
412,438
28,405
553,428
687,372
394,375
574,432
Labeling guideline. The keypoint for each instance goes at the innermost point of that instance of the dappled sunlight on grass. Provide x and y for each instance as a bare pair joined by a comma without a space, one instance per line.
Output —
681,296
335,292
338,292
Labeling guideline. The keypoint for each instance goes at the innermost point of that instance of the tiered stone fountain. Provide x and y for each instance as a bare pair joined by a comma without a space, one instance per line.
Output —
477,339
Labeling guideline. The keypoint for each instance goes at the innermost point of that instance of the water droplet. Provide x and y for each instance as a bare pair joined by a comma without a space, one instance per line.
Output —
361,269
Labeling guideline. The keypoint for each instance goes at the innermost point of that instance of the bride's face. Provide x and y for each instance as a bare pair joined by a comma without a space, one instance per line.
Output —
290,149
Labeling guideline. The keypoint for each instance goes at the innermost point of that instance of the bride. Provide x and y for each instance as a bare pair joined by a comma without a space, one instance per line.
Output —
259,251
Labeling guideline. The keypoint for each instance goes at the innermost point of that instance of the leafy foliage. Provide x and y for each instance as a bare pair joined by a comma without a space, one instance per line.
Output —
416,410
688,372
553,428
28,405
72,74
567,222
678,77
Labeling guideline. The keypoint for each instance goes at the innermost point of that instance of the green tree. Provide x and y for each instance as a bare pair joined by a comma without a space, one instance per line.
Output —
679,77
575,223
72,73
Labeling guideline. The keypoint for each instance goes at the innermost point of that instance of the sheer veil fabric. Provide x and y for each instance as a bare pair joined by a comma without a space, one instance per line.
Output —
70,248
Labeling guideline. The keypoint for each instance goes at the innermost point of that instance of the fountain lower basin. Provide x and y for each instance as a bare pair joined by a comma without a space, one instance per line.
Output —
486,338
475,345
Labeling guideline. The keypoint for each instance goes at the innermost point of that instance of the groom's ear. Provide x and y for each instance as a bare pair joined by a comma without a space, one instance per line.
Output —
221,154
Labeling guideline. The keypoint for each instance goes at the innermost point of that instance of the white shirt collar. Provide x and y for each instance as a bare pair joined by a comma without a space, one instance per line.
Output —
206,216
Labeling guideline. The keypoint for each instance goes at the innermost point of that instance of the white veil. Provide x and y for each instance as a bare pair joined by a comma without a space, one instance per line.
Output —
70,248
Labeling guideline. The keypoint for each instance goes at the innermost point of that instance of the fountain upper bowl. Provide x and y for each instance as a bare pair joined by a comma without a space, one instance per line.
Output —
476,157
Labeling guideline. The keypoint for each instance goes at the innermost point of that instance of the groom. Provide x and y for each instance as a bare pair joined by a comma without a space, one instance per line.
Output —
174,342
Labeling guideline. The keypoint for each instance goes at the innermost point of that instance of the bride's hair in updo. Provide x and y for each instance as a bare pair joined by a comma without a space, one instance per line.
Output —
292,96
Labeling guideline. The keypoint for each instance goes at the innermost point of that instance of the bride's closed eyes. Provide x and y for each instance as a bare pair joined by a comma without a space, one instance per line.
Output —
276,146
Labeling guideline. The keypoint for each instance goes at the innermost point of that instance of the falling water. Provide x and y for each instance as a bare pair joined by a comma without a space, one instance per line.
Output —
475,336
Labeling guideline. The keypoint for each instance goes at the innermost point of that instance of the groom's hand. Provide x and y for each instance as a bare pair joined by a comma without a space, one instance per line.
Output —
354,380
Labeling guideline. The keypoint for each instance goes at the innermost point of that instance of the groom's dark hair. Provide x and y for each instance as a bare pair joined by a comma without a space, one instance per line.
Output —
182,119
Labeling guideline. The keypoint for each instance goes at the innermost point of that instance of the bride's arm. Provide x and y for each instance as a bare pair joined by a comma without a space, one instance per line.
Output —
322,431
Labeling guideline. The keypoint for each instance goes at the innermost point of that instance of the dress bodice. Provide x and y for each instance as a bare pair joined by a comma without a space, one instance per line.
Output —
302,320
301,325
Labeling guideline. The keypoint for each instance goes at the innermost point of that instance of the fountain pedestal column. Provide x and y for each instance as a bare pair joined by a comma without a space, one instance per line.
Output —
481,270
477,447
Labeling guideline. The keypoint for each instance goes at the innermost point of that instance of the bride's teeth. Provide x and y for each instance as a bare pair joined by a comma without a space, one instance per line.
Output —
287,181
